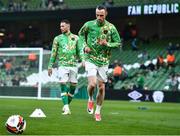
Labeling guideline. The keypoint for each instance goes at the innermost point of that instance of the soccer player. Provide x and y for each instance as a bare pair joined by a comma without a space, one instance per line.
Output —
99,37
66,48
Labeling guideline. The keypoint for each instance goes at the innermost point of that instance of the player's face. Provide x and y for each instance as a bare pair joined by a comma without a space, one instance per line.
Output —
64,27
101,15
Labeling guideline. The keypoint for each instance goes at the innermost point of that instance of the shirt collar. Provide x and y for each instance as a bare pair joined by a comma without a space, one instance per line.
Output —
100,24
67,33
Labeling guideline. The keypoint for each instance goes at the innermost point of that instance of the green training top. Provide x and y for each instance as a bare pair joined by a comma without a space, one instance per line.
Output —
89,35
66,49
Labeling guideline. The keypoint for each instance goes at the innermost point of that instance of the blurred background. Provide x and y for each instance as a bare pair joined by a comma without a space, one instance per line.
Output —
148,61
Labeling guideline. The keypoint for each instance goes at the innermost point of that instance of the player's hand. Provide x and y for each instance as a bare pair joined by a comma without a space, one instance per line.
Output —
87,50
83,64
49,72
102,42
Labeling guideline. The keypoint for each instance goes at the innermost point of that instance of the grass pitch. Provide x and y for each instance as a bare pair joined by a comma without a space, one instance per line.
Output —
118,118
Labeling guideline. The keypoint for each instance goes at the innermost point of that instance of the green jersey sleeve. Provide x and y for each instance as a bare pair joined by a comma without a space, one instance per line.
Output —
115,38
54,53
80,50
83,34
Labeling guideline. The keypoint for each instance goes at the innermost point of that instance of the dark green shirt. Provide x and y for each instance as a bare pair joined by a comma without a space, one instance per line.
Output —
89,35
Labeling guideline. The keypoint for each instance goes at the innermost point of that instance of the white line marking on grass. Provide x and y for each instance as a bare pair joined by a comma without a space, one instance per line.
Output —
114,113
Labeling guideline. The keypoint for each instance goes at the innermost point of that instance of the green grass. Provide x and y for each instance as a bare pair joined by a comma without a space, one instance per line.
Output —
118,117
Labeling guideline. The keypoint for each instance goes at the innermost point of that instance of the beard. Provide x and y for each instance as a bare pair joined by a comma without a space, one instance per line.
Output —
63,32
100,22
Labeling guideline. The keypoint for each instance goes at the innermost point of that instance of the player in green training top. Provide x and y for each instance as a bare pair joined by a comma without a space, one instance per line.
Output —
66,49
99,37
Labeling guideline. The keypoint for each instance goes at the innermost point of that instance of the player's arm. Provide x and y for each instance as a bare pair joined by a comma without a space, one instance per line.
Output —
80,50
115,41
83,37
53,56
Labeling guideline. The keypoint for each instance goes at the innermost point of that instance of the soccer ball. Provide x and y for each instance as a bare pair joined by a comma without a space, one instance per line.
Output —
15,124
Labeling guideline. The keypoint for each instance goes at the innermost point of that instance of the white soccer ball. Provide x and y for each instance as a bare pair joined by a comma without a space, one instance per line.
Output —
15,124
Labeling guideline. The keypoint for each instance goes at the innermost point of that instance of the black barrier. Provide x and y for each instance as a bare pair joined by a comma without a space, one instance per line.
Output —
130,95
46,22
18,91
27,92
141,95
73,14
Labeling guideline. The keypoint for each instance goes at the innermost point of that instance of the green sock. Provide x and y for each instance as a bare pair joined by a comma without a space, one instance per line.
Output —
71,93
64,95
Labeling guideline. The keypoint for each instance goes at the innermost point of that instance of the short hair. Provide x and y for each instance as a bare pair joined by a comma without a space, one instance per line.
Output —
65,21
100,7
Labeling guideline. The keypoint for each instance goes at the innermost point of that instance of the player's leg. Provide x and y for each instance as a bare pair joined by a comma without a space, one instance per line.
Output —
63,79
102,78
99,100
64,96
91,87
72,89
73,83
92,82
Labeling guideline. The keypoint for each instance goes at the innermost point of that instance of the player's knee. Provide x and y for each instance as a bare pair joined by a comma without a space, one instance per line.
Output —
101,92
102,87
92,84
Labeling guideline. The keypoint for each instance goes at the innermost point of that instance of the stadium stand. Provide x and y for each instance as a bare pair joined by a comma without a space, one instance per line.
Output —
157,79
154,80
76,4
129,59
